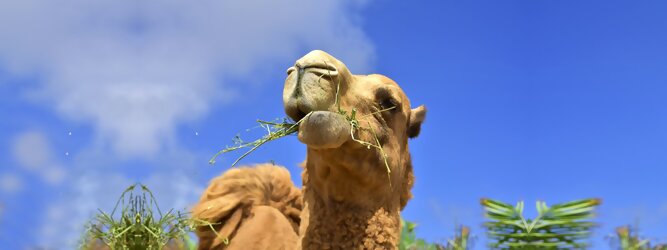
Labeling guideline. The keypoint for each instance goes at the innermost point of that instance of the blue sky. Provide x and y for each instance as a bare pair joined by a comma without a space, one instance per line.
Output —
528,100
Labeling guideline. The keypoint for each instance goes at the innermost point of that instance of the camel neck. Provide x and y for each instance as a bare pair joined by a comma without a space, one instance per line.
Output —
337,225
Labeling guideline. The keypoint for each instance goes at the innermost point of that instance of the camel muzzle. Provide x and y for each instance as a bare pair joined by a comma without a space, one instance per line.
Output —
311,84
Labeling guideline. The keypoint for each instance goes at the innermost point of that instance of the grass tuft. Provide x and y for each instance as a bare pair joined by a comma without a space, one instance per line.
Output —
140,225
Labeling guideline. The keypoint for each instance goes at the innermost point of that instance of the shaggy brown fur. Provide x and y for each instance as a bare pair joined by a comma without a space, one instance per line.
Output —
247,200
350,201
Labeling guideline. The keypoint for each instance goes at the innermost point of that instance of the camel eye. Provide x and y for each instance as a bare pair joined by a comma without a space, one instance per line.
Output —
388,103
385,100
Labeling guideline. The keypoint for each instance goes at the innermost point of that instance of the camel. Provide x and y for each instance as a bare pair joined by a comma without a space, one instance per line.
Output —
351,196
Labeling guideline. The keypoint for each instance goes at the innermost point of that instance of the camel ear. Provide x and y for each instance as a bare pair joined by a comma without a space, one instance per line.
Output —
417,116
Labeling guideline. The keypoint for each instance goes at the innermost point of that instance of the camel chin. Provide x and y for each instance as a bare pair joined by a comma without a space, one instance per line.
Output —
324,130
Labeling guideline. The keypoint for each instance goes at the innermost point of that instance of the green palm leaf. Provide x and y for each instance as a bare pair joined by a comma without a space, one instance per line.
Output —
561,226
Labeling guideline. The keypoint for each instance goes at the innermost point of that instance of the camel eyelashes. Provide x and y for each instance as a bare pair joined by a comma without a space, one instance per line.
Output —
386,101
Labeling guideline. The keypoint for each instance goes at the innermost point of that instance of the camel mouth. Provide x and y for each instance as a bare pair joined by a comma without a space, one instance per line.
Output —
299,114
320,129
302,110
324,130
297,109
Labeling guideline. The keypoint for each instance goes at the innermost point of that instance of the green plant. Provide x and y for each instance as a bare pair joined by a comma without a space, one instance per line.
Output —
561,226
275,130
461,240
627,238
409,240
141,225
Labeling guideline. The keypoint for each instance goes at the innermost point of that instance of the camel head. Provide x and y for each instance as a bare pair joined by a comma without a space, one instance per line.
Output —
322,93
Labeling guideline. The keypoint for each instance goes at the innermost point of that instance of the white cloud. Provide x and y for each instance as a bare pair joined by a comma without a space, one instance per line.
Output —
137,69
10,184
54,174
33,152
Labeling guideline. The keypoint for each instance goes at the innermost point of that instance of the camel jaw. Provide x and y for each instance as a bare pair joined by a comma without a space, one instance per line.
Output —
324,130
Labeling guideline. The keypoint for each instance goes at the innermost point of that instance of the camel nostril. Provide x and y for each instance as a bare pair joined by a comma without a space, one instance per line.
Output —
316,66
291,69
296,68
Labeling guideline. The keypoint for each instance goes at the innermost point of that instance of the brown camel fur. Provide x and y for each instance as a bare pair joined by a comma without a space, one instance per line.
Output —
349,198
